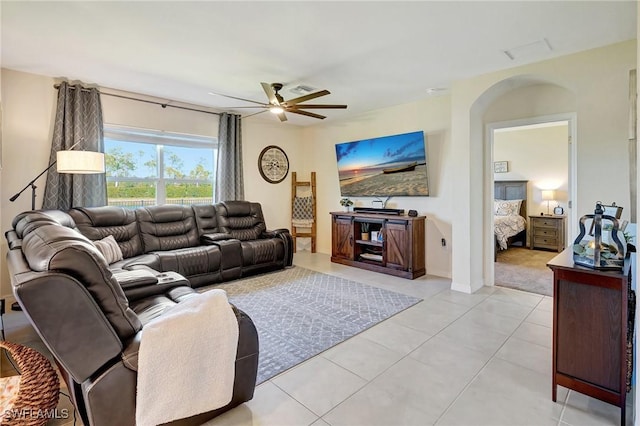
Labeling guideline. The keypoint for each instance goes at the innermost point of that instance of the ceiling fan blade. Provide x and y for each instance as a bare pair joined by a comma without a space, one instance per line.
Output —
266,106
240,99
271,95
282,117
255,113
307,97
316,106
307,113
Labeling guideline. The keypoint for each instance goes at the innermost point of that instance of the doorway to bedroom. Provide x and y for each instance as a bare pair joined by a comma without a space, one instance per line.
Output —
533,161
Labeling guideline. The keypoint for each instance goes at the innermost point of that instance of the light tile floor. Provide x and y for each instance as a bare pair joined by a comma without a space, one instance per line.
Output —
452,359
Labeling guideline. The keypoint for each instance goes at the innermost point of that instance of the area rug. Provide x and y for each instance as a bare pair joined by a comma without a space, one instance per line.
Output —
299,313
525,269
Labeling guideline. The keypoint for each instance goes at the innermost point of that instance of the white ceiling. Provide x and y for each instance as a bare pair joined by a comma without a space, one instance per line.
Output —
370,55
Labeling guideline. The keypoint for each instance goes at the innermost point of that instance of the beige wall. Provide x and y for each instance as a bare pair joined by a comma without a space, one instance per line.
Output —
28,104
275,198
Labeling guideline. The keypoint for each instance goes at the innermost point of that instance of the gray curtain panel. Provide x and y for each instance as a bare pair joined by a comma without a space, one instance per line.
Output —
78,118
229,178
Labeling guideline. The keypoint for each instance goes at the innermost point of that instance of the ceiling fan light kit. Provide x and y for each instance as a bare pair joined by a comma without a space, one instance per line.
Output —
278,106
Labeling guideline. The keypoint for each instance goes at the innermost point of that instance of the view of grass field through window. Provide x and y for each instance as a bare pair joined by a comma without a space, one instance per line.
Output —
143,174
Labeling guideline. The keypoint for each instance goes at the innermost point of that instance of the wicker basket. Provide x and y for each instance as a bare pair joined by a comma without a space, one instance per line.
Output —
39,388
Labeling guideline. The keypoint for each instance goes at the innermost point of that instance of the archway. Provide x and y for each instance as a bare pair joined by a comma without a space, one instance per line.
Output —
473,207
534,103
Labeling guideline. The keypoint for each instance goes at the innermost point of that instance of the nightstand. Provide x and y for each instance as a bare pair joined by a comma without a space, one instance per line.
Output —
547,232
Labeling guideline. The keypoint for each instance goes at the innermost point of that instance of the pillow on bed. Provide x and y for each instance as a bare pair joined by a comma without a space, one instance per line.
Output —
507,207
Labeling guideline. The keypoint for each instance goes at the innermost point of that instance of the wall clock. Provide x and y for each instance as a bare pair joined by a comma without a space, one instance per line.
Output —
273,164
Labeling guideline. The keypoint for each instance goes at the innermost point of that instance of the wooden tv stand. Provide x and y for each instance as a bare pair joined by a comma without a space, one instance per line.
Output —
400,251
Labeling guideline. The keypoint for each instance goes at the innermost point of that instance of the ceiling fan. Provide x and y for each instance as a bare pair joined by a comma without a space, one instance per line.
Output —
278,106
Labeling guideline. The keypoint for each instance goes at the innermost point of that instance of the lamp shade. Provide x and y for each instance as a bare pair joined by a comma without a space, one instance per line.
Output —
548,195
80,162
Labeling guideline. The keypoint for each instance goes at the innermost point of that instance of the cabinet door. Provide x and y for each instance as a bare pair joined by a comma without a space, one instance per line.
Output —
397,245
342,237
589,332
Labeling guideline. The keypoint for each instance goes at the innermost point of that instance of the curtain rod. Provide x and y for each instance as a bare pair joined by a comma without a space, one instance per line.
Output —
163,105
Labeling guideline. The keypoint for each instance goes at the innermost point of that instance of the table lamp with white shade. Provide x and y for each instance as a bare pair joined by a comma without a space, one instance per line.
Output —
548,195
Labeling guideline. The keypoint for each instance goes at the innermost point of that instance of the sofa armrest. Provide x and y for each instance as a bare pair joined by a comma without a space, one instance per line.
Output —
67,319
286,238
209,239
151,283
13,240
273,233
134,278
247,341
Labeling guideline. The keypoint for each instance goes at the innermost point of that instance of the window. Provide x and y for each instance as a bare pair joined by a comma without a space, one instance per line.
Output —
148,167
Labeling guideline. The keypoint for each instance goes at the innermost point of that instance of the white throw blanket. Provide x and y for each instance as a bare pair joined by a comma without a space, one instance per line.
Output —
186,360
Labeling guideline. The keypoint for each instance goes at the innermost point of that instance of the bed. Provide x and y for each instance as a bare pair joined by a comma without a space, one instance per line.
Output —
510,223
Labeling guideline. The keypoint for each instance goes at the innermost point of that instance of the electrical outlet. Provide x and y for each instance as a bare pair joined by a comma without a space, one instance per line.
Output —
444,242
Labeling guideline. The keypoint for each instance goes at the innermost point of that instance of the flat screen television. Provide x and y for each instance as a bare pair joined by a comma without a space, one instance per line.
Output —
383,167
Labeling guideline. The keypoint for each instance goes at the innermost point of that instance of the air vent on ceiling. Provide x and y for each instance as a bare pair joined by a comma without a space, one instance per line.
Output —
530,50
302,89
437,91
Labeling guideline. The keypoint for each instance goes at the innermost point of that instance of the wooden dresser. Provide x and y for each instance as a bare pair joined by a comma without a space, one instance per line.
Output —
593,315
547,232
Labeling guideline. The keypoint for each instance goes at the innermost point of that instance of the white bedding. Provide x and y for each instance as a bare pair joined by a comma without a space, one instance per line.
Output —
507,226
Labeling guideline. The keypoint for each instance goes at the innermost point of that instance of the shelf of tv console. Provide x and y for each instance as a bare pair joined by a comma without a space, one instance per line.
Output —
369,243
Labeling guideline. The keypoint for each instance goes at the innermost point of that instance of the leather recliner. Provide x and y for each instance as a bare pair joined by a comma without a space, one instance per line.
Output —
92,326
205,243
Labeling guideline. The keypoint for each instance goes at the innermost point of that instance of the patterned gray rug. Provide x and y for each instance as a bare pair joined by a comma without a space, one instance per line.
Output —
300,313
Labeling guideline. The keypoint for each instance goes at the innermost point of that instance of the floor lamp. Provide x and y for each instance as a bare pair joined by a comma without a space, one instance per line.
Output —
67,161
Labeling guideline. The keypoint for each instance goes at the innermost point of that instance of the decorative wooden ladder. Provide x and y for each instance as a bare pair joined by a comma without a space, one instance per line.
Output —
295,184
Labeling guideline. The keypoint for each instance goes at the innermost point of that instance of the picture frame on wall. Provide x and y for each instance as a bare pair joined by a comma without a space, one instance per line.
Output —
500,166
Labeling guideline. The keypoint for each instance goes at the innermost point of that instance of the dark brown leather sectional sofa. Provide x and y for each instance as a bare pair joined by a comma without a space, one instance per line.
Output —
91,320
